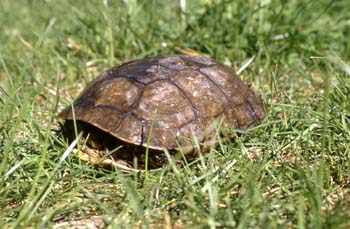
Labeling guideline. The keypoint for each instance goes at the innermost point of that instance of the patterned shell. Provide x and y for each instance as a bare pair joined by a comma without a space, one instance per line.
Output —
167,101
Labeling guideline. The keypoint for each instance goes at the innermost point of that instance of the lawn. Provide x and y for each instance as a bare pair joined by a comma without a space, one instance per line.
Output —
293,171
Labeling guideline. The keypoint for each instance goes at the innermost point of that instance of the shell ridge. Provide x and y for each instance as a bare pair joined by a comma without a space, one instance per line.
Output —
216,85
183,93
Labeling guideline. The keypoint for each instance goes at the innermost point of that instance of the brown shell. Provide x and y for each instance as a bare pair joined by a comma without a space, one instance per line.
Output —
167,101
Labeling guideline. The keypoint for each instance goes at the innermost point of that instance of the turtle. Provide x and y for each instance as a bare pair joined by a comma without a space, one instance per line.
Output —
176,103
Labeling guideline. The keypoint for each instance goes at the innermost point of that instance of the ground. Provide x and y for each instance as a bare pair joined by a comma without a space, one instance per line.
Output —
290,172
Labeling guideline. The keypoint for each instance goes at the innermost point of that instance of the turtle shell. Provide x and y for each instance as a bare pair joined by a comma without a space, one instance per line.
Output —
167,102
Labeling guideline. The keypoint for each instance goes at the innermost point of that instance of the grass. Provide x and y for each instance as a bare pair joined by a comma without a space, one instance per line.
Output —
291,172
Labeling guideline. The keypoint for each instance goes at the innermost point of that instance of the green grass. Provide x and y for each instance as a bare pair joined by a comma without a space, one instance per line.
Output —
291,172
